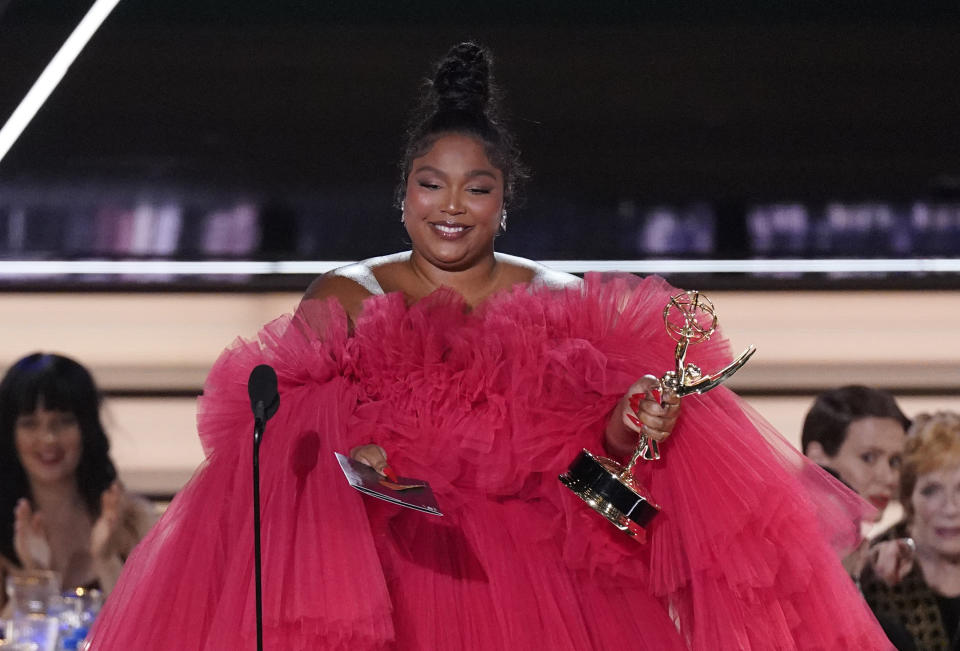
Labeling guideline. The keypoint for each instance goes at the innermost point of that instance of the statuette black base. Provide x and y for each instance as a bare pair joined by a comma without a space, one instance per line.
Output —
600,483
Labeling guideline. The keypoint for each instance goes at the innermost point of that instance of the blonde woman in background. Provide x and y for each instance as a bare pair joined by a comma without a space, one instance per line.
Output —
925,595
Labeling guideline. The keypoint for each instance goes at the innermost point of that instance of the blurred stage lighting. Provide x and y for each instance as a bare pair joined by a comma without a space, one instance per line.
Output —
53,73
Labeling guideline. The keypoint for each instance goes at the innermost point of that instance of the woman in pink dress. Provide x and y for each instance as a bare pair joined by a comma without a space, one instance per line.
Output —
485,375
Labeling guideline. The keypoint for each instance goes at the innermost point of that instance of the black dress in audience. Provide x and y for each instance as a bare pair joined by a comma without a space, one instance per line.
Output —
895,631
912,615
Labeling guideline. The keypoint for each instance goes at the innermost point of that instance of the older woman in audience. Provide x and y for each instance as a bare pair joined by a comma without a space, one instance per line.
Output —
61,506
926,600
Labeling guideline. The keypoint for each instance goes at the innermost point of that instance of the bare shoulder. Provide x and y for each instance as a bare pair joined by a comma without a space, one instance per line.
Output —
539,275
347,291
353,283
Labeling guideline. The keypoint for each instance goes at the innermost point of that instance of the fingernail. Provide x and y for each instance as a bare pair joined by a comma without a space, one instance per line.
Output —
634,420
635,400
388,472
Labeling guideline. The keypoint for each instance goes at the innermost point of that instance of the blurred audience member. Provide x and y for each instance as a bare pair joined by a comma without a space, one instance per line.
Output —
61,505
859,433
921,590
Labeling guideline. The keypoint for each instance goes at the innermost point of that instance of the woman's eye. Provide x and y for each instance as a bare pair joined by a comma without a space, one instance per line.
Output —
868,457
479,190
930,490
428,186
896,462
67,421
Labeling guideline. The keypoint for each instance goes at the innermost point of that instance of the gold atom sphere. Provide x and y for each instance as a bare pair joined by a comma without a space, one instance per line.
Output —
690,315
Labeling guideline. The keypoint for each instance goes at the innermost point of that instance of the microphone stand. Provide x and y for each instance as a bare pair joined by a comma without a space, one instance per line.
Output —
260,423
265,400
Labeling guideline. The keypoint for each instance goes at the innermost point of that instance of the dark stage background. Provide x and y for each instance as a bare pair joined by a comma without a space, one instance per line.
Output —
733,131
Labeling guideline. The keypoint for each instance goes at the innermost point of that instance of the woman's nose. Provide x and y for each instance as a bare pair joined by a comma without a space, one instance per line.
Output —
889,476
452,204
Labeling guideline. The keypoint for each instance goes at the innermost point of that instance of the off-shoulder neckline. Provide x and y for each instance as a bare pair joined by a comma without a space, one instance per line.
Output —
363,274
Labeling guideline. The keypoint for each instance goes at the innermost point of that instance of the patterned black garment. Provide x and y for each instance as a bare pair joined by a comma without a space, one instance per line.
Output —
914,605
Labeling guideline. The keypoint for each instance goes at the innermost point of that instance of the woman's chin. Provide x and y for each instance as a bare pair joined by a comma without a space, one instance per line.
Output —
451,259
48,473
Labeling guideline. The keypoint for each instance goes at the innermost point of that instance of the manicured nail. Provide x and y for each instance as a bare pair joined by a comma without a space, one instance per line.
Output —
392,476
635,401
634,420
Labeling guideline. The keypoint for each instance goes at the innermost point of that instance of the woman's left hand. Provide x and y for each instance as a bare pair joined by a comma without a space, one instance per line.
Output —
102,534
639,413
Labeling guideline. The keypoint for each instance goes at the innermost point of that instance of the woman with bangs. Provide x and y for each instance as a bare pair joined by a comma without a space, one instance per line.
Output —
926,600
61,506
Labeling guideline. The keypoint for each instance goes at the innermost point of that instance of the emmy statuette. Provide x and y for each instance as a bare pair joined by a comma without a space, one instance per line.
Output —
610,488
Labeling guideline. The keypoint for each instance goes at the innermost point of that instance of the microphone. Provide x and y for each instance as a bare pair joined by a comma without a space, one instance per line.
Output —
262,389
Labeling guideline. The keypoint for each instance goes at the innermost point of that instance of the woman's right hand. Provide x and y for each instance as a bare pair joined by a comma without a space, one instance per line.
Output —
892,559
30,537
371,455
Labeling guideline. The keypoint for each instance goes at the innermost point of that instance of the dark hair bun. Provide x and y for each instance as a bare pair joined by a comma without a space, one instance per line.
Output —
463,98
462,80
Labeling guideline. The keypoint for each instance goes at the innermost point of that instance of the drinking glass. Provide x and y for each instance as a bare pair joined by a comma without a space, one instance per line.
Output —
34,600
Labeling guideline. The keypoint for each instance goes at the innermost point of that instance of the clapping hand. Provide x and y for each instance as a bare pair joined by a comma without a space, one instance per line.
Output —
30,537
102,533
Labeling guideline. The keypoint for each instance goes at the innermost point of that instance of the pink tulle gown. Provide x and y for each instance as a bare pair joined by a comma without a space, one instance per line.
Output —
489,406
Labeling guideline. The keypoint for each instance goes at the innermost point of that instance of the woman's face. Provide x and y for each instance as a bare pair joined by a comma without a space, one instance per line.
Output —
453,201
869,459
49,444
936,511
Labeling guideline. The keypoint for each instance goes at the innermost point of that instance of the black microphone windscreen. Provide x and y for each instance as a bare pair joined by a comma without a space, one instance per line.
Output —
262,387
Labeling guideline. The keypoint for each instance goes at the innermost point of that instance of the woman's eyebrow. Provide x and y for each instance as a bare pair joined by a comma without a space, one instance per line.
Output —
429,168
475,173
470,175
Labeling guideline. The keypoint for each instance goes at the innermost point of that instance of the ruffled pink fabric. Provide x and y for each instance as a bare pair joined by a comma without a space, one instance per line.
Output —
489,406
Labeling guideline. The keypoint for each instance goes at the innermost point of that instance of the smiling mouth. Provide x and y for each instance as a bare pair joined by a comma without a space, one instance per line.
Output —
50,458
449,230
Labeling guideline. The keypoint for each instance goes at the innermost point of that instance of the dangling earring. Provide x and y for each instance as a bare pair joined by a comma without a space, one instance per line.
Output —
403,214
503,220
